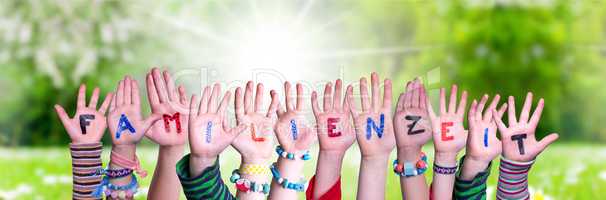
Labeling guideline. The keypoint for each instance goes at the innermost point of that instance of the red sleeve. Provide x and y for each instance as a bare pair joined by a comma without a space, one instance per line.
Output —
333,193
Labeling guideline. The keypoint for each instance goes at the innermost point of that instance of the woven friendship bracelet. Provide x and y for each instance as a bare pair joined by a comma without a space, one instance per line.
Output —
115,173
284,183
254,169
444,170
121,161
291,156
409,169
245,185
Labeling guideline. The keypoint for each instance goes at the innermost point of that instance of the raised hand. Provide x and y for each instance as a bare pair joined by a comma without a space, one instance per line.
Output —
519,142
448,132
333,121
411,121
126,124
88,124
293,134
209,131
482,143
374,129
171,104
257,145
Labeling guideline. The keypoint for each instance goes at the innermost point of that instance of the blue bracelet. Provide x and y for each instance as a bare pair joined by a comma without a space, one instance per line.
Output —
116,190
299,187
246,185
291,156
409,169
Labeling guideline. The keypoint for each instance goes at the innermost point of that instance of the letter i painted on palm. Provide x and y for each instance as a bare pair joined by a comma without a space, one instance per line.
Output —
293,129
209,127
371,125
486,137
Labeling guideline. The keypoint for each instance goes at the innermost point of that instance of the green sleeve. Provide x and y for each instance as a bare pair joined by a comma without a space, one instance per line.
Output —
207,185
473,189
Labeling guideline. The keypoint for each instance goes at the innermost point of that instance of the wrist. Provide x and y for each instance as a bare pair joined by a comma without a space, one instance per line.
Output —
255,161
334,154
472,167
125,150
199,163
409,153
446,159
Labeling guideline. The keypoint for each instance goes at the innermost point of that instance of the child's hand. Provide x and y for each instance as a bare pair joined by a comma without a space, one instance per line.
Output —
333,125
88,124
411,121
374,128
448,131
291,129
482,143
209,131
258,144
519,142
126,124
171,104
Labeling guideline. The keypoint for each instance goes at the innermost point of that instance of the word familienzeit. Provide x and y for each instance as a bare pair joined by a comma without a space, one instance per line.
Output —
371,125
168,118
85,121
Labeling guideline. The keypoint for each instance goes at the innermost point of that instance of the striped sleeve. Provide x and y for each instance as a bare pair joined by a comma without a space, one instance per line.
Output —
472,189
86,160
513,180
207,185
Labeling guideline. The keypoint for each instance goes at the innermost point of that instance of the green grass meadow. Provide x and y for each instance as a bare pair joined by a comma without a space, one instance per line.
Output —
563,171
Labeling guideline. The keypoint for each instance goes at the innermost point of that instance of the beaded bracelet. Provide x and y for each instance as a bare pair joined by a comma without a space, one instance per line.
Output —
117,191
299,187
408,169
254,169
291,156
444,170
245,185
114,173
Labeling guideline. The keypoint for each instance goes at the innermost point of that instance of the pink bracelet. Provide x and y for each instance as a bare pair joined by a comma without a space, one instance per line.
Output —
126,163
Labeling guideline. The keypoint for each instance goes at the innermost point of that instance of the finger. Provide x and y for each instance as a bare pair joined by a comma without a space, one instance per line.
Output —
349,101
498,120
526,108
106,102
452,103
416,92
280,111
112,104
546,141
288,97
224,103
120,93
365,99
128,90
94,98
193,108
327,97
273,106
62,115
170,85
149,122
480,108
214,97
442,101
81,97
422,96
248,104
400,105
182,95
314,103
238,104
336,101
462,105
536,115
472,111
493,105
259,98
136,99
408,95
300,97
374,82
204,101
512,111
502,110
160,85
234,132
387,94
152,95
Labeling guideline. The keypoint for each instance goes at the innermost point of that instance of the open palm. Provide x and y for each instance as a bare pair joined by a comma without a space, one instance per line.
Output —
482,142
334,127
411,121
292,131
448,131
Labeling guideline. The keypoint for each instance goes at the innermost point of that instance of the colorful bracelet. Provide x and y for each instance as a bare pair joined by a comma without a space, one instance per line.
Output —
254,169
291,156
121,161
117,191
114,173
245,185
444,170
408,169
299,187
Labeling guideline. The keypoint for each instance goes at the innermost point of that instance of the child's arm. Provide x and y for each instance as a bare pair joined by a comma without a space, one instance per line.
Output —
256,145
374,132
127,128
170,133
449,138
482,147
85,130
413,130
295,137
209,135
336,135
520,148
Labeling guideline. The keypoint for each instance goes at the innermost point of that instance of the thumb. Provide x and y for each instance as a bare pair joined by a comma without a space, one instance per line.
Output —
547,140
149,122
62,115
234,132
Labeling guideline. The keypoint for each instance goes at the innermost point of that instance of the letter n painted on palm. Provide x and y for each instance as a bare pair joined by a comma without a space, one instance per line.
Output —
371,125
